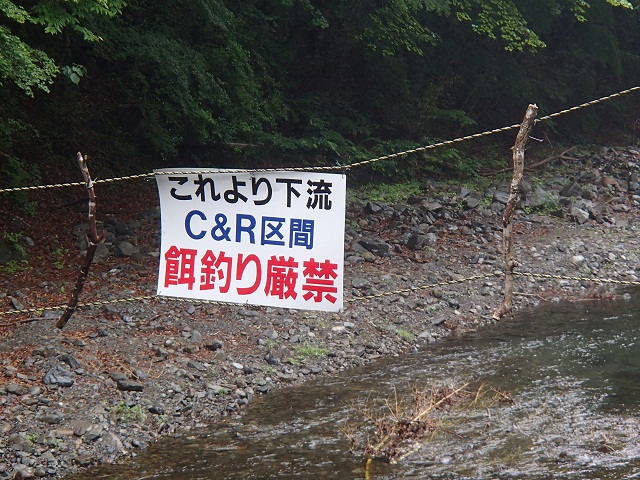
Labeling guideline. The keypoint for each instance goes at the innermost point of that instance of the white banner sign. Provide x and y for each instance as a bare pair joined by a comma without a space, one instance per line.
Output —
273,238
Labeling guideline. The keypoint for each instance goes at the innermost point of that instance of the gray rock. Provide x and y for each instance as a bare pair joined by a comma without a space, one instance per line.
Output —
353,259
471,202
69,360
35,390
537,197
23,471
125,249
117,376
113,442
161,353
52,418
214,345
368,257
16,303
60,376
140,374
577,259
432,206
579,215
129,385
196,336
216,389
360,283
271,334
426,335
271,359
372,208
571,190
501,196
197,365
80,427
102,252
16,389
416,241
376,246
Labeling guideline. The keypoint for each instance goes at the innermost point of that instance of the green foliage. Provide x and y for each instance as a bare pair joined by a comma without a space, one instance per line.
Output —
30,67
395,28
387,192
297,82
15,240
129,414
207,79
161,421
307,350
25,66
58,255
74,72
17,173
405,335
13,267
499,19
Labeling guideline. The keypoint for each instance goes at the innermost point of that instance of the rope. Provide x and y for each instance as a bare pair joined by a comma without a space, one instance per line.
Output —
426,287
332,167
588,104
579,279
101,303
76,184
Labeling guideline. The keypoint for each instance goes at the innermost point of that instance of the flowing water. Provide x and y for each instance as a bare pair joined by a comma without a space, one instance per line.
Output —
572,371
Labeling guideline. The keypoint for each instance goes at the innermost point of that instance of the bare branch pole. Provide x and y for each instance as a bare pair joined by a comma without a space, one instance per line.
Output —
93,239
507,218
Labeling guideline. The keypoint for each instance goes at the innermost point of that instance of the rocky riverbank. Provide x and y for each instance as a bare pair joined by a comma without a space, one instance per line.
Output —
119,377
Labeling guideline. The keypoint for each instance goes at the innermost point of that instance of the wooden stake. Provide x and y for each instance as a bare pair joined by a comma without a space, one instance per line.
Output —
507,218
93,239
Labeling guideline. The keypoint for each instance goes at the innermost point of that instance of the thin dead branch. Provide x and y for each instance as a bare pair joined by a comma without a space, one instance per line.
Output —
540,163
507,217
93,240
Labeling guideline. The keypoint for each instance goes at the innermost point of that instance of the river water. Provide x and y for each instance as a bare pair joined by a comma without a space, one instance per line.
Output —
572,372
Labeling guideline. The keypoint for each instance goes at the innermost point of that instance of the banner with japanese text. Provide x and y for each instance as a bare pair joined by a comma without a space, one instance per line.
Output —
260,238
